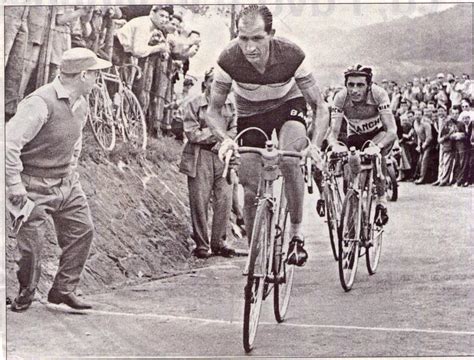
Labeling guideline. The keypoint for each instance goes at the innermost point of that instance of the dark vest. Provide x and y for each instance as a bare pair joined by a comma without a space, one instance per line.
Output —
50,153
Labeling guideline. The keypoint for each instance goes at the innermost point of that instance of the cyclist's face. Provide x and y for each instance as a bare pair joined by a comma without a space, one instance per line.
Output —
357,88
254,41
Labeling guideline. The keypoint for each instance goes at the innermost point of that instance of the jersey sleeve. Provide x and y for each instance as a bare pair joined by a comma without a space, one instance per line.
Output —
381,99
304,75
338,103
222,80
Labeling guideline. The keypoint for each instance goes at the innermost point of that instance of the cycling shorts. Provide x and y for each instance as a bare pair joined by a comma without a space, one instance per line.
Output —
358,140
292,110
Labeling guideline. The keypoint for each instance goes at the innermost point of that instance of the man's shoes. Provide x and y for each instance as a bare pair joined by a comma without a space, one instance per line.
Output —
420,181
201,253
23,301
444,184
436,183
297,255
224,251
381,215
70,300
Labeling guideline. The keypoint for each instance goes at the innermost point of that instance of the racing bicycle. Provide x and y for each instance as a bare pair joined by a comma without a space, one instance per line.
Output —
359,235
266,268
120,112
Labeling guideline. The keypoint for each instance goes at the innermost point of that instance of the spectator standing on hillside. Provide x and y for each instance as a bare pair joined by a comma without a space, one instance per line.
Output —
467,117
425,146
201,164
15,46
144,38
65,18
448,128
43,144
38,25
461,147
407,147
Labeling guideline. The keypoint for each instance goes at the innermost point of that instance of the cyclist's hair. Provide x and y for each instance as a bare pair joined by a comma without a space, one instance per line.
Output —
254,11
456,107
358,70
177,17
168,8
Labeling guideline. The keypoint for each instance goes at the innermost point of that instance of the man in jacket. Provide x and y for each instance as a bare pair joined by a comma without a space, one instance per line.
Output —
201,164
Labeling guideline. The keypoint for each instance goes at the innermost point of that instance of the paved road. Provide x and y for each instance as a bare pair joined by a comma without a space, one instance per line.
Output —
418,304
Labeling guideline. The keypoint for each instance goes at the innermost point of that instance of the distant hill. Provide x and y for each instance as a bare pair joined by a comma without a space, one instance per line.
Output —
402,48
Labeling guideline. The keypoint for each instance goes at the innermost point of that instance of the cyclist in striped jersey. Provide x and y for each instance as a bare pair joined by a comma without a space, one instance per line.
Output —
272,83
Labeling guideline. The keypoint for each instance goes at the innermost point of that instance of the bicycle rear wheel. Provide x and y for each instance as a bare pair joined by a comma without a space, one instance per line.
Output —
257,270
100,118
133,120
374,241
283,272
349,243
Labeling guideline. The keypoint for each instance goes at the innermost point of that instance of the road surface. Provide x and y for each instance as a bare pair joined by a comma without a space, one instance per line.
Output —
418,304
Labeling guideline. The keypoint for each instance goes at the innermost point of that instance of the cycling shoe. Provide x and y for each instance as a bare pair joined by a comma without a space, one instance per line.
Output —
297,255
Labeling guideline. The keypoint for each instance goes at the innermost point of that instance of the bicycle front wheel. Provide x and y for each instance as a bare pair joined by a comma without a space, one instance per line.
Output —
349,242
332,220
256,274
133,120
100,118
283,272
374,243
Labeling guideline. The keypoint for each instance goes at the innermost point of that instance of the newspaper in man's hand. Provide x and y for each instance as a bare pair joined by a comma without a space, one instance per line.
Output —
19,214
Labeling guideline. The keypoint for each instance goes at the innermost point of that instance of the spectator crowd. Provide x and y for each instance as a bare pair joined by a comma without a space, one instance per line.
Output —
434,122
153,37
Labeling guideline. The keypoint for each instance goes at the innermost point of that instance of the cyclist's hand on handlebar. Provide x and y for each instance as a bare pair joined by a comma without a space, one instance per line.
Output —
338,149
226,146
314,152
372,150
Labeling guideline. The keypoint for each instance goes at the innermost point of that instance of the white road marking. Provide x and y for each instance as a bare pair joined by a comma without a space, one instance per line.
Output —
321,326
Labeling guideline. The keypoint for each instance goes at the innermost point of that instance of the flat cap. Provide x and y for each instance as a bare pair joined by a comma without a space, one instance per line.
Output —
80,59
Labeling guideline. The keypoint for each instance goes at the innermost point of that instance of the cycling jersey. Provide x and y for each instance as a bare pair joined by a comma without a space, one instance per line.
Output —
362,118
285,74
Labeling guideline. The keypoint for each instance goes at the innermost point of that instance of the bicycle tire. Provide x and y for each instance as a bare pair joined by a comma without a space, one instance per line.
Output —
282,290
100,119
133,120
331,219
257,268
375,237
392,186
349,243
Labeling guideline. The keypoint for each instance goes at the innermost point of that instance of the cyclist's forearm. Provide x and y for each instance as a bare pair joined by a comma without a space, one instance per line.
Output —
321,124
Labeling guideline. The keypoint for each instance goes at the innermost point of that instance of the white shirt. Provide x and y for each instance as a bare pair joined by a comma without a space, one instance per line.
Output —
136,34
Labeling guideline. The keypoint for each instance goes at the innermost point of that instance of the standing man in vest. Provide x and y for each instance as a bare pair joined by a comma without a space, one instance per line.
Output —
43,143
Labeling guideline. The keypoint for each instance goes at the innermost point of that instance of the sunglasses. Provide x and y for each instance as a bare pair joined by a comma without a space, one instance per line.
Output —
359,85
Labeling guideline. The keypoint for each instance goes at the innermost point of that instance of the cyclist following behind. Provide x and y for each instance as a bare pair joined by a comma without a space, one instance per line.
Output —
271,83
366,108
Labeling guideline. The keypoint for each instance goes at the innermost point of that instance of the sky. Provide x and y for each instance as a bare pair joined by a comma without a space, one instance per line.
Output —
300,23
